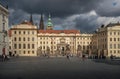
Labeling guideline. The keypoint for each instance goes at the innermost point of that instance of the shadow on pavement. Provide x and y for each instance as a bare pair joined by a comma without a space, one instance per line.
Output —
107,61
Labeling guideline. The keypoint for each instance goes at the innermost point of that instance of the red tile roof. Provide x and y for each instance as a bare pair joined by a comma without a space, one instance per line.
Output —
60,31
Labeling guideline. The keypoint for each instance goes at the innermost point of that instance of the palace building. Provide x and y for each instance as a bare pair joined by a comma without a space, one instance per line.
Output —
4,44
26,39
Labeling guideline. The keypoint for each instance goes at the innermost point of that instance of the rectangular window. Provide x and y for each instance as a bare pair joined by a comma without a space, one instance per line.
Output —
114,33
14,32
32,52
114,46
28,46
110,46
19,32
110,33
114,51
43,47
24,52
24,46
32,38
33,46
114,39
118,39
15,46
118,46
24,39
15,39
19,46
110,39
111,51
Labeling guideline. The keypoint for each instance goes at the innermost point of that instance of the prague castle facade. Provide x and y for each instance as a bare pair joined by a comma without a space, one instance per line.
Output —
3,29
26,39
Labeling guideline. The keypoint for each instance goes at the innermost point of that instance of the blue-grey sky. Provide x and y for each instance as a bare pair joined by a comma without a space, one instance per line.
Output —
84,15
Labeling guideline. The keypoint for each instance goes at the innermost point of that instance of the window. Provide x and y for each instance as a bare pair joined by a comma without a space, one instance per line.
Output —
114,33
19,32
14,32
15,39
28,52
23,32
118,39
24,39
9,47
118,51
24,46
118,33
19,46
111,51
28,46
114,51
24,52
32,52
110,39
115,46
118,46
19,39
15,52
110,33
114,39
33,46
110,46
15,46
43,47
33,39
28,39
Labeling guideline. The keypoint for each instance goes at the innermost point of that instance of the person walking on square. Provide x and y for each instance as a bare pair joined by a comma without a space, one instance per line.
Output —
3,55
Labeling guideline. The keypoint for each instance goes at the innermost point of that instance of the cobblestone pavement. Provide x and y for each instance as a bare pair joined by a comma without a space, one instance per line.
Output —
57,68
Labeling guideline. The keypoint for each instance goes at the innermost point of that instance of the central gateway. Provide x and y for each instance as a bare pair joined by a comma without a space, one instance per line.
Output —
62,47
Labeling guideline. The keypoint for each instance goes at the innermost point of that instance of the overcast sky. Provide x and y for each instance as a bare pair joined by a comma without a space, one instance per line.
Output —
84,15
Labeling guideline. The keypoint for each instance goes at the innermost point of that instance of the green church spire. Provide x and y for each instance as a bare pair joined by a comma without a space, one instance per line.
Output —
49,21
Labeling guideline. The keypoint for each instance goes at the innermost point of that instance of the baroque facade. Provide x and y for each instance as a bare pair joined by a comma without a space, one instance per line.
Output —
28,40
4,29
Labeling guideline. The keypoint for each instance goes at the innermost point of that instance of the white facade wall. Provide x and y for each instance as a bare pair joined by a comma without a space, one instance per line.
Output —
4,24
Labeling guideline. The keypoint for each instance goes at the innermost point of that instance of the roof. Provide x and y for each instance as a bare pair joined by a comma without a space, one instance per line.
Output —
27,22
113,24
60,31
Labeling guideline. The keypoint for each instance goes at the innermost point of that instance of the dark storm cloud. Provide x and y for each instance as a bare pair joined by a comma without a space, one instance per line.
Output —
105,11
85,24
58,8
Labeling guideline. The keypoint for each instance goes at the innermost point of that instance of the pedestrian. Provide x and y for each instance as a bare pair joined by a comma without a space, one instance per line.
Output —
67,56
111,57
83,57
3,55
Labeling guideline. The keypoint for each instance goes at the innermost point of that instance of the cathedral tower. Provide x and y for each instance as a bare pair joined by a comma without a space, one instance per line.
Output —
31,20
49,24
41,25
